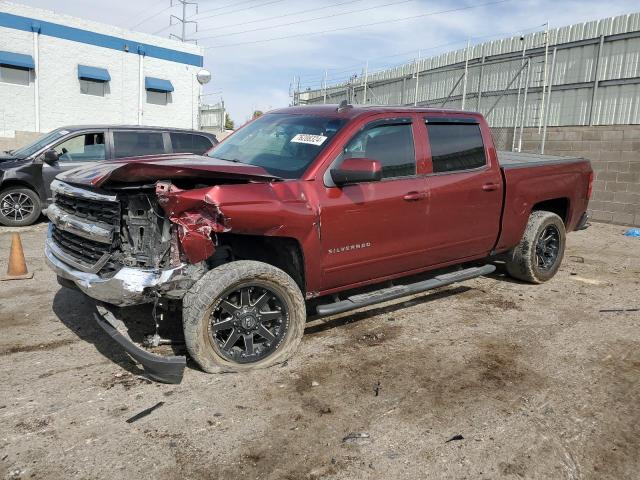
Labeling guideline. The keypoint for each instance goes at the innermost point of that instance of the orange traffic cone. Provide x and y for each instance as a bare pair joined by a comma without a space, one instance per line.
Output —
17,269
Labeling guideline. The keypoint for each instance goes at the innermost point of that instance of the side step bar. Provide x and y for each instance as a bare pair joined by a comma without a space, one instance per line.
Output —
391,293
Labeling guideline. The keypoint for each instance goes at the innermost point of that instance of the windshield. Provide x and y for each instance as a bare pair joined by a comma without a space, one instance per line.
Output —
39,144
282,144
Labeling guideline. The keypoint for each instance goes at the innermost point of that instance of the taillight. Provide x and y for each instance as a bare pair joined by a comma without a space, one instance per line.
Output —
590,187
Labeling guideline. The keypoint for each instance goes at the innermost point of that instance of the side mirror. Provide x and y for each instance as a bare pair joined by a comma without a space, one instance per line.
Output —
50,157
357,170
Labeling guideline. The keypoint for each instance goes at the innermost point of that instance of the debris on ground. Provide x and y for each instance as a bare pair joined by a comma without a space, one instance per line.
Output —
315,384
632,232
377,387
455,438
576,258
589,281
355,436
144,413
608,310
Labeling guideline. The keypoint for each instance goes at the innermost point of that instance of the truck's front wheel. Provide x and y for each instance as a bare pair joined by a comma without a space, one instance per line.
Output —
538,256
243,315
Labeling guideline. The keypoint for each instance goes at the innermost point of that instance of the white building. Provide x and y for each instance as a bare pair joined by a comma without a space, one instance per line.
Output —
60,70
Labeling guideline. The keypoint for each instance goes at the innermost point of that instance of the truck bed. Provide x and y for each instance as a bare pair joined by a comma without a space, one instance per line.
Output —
521,159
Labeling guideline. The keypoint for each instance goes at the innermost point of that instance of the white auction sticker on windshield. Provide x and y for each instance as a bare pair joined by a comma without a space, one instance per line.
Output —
308,138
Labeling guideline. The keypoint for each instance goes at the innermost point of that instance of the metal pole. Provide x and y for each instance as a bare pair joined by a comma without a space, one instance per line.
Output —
184,23
544,78
366,76
546,117
596,80
524,104
415,96
36,81
466,74
480,75
324,95
517,114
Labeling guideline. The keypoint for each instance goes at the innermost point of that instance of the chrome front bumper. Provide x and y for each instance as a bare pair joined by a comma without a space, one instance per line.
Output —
129,286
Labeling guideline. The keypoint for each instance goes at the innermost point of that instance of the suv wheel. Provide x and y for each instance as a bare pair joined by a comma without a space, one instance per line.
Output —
19,207
538,256
243,315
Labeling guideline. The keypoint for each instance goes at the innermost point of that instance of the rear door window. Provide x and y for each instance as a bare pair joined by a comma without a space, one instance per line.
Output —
189,143
456,146
135,144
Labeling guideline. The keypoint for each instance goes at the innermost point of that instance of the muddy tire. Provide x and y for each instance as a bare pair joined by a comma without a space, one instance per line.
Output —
19,207
243,315
538,256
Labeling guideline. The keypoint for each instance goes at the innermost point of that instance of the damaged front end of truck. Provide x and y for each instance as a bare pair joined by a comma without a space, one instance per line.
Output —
124,238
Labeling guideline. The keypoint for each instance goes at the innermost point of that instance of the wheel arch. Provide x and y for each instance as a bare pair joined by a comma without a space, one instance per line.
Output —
560,206
285,253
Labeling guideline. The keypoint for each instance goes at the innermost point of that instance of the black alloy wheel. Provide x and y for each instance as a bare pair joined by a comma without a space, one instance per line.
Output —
248,323
547,247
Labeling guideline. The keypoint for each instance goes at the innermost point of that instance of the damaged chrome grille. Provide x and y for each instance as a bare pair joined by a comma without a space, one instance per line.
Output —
93,210
81,249
84,227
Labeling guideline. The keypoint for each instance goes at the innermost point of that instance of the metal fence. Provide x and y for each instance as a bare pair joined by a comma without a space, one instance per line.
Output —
583,74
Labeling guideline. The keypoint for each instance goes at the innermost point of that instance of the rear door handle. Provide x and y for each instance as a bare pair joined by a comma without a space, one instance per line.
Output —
414,196
489,187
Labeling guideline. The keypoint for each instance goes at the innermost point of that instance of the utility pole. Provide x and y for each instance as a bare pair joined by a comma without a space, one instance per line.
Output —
466,74
324,87
417,73
366,78
183,20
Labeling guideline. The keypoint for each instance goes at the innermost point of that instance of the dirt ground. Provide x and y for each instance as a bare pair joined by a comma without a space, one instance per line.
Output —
535,381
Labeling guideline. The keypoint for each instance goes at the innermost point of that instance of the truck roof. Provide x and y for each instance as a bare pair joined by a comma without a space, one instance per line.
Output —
353,111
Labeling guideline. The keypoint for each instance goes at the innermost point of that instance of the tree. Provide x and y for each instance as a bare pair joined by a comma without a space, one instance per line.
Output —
257,113
228,122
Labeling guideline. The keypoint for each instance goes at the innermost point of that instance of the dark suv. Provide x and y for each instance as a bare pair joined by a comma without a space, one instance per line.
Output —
26,173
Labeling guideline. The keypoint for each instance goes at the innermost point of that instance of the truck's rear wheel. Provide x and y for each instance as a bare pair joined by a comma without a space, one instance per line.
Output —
538,256
243,315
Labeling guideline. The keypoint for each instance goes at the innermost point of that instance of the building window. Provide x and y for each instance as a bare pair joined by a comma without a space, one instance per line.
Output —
92,87
157,98
17,76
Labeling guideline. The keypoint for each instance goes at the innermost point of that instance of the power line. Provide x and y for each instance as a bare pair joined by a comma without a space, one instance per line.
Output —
300,12
412,17
241,9
232,4
144,20
337,14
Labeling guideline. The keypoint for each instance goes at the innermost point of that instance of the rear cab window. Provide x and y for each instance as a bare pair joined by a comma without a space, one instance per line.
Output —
189,143
136,144
456,145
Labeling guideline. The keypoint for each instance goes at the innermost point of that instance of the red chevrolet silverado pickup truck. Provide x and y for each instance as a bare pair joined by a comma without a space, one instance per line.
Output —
318,206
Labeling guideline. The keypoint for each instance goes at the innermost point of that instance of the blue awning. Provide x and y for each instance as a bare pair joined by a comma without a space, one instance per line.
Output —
18,60
93,73
157,84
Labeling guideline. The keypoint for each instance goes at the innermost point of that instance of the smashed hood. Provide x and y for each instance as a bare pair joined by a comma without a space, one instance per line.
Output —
151,169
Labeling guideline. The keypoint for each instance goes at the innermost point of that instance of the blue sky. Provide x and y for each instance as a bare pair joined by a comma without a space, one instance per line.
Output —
251,70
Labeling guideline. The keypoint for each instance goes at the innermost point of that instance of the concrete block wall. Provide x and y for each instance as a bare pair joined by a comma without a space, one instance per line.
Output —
614,152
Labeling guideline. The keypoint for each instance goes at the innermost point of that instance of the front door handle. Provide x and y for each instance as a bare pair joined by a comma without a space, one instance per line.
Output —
489,187
414,196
